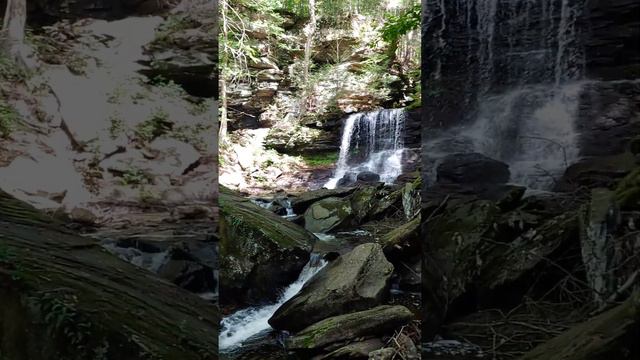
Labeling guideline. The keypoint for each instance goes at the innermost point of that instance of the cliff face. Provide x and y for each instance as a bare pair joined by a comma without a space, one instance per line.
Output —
475,47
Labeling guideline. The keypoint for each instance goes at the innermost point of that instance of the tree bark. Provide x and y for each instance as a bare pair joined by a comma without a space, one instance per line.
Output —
13,33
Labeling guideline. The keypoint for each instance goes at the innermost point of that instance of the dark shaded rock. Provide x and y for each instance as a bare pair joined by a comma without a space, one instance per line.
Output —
367,177
353,282
185,270
472,168
301,202
376,321
260,251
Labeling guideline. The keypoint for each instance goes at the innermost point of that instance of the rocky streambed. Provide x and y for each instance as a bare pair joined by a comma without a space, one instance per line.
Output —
326,274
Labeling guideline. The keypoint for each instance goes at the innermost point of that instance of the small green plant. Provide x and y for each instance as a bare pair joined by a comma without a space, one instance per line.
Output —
10,71
116,126
147,196
158,124
10,261
8,119
59,312
135,177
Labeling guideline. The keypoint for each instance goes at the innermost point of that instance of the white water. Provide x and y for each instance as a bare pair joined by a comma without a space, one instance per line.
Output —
528,90
371,141
247,323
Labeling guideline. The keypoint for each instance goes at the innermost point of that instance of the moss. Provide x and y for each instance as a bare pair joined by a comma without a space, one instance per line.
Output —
627,193
320,159
8,119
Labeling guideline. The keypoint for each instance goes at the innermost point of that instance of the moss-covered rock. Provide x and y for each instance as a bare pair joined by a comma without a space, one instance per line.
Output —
65,297
628,191
259,250
301,202
376,321
355,281
329,214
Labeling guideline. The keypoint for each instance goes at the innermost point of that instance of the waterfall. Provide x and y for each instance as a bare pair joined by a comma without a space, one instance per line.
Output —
252,322
371,141
524,87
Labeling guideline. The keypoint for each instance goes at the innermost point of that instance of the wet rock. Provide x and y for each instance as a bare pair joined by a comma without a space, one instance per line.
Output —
184,270
328,214
355,281
472,168
368,176
377,321
260,251
301,202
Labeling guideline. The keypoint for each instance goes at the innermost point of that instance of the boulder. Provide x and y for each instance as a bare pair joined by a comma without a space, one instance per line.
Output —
183,269
355,281
377,321
260,251
301,202
328,214
472,168
367,177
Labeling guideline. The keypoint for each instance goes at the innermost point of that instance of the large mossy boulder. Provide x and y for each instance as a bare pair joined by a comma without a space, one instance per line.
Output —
328,214
377,321
364,203
613,334
64,297
356,281
300,203
259,250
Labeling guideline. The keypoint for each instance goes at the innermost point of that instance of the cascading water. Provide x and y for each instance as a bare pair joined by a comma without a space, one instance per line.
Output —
526,63
252,322
373,142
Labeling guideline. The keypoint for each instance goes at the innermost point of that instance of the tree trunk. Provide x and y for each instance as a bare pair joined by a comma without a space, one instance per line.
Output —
15,18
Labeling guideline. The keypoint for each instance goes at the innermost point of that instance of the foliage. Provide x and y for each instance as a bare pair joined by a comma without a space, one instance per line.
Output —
10,260
396,26
320,159
157,125
135,176
60,313
116,126
10,71
8,119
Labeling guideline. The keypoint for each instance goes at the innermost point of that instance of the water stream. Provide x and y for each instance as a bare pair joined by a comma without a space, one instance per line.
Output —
252,322
373,142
